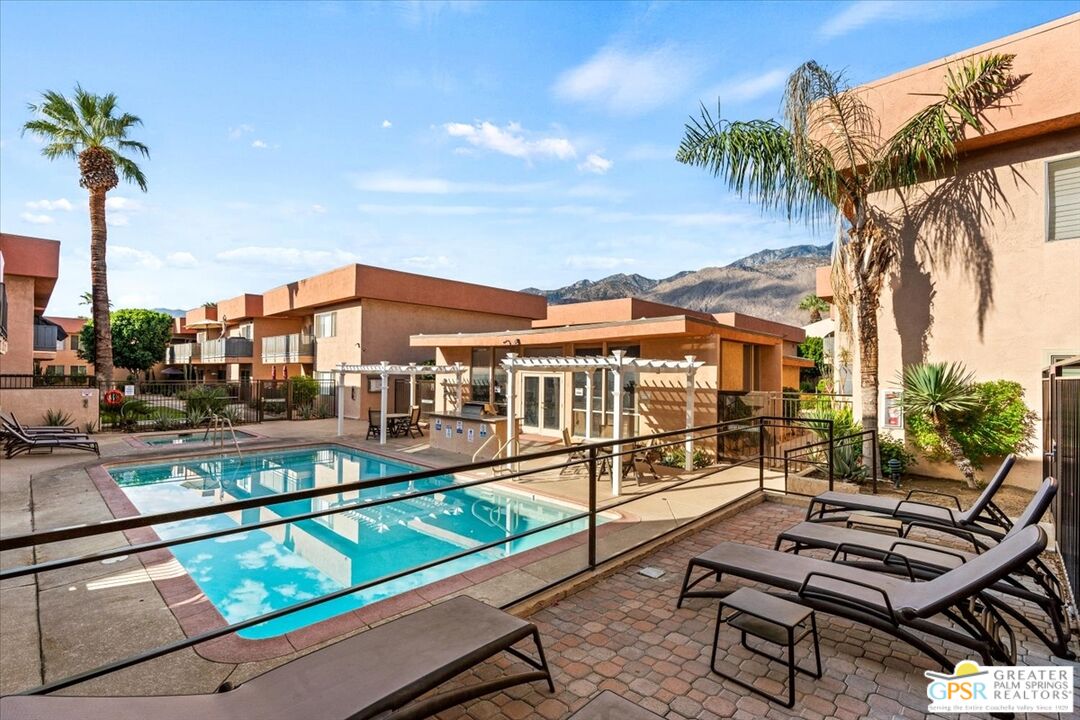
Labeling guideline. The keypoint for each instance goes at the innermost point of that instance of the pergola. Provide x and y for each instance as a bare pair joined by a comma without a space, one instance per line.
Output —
619,365
384,370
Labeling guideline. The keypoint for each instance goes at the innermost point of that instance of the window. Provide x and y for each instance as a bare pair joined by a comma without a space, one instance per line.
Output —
54,370
78,371
326,325
480,375
74,342
247,330
1063,199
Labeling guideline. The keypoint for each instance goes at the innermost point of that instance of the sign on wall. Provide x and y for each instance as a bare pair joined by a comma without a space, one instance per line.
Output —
891,409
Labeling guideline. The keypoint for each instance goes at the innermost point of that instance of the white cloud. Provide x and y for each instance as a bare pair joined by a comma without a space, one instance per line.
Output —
864,12
595,164
318,209
749,88
235,133
60,204
512,140
404,184
118,202
377,209
260,144
287,257
387,124
133,257
627,83
36,219
117,219
597,262
428,262
181,259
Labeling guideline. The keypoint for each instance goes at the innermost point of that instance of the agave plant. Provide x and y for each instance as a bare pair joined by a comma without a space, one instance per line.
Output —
57,418
943,394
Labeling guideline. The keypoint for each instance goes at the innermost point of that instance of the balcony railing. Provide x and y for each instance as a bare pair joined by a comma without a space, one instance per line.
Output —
182,354
296,347
228,348
45,337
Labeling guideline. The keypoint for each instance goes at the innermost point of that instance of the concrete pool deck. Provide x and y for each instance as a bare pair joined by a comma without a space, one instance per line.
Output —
48,632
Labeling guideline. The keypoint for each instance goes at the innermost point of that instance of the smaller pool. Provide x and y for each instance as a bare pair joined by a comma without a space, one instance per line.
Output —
190,437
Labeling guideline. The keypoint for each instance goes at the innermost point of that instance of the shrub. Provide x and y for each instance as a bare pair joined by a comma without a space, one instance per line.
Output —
675,456
163,419
847,454
304,390
1002,424
57,418
891,448
205,399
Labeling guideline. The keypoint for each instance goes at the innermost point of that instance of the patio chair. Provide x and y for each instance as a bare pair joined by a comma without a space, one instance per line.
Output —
929,560
40,429
382,672
983,517
414,422
902,607
647,471
374,424
19,442
574,454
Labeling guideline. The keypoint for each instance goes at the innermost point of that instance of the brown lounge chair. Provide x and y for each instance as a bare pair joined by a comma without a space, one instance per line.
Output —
19,442
888,603
983,517
381,673
929,560
40,429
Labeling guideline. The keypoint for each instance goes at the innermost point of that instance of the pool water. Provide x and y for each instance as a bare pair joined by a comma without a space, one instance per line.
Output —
246,574
194,436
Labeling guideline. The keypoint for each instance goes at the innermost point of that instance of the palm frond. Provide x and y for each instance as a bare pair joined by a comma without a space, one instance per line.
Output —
757,159
940,391
926,143
128,169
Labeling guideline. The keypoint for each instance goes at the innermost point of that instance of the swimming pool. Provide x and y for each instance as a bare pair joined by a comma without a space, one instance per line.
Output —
246,574
188,437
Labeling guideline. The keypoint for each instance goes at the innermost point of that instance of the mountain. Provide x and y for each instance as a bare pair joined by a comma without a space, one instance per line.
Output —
171,311
768,284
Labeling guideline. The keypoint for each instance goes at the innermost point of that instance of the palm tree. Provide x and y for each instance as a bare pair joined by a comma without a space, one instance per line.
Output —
87,128
828,158
943,394
813,305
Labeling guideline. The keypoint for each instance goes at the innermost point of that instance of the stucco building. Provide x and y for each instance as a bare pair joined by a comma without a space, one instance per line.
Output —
29,268
989,266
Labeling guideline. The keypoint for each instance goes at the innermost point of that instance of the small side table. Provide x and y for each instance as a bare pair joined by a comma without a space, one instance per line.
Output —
773,620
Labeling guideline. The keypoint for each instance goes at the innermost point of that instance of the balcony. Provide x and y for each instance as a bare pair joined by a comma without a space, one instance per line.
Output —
226,349
45,338
294,348
182,354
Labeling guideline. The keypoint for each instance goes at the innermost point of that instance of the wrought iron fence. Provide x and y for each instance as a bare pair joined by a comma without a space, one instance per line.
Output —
15,381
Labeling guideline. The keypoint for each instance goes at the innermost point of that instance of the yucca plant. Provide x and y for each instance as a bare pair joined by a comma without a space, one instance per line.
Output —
827,160
57,418
944,395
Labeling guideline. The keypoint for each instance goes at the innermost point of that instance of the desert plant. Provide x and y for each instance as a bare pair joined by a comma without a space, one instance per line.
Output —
57,418
195,417
205,399
1002,424
943,395
891,448
813,305
847,455
91,427
675,456
231,414
163,419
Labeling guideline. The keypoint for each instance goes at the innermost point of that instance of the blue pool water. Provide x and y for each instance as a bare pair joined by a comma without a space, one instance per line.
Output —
251,573
194,436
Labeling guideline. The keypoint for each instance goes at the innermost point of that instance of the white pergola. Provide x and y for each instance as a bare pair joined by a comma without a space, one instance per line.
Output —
384,370
619,365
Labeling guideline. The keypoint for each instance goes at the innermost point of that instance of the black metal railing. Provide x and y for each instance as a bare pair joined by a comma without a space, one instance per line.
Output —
45,337
835,458
3,311
292,348
27,381
592,457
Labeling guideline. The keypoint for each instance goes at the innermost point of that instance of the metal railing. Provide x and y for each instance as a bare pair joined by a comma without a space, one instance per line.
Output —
19,381
45,338
592,457
3,311
227,348
837,458
295,347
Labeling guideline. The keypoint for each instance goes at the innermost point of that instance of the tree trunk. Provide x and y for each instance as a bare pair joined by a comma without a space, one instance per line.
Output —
959,459
815,316
866,310
99,289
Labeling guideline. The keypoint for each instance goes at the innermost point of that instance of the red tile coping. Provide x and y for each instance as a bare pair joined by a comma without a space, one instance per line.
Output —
196,614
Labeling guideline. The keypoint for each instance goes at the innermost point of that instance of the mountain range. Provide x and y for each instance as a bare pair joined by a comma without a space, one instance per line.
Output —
768,284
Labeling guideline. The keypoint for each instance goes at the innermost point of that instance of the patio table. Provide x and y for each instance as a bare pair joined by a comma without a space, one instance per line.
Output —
397,424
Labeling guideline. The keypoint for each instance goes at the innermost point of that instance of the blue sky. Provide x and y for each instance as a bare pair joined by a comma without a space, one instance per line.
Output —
511,144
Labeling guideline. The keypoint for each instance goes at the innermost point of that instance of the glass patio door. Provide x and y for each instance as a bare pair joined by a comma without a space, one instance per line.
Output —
541,403
552,401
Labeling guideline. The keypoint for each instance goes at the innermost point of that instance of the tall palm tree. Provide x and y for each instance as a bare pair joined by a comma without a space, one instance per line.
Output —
943,394
89,129
813,305
828,158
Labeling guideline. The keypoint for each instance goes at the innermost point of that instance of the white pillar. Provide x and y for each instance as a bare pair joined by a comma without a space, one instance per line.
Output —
616,430
689,446
341,400
511,424
384,376
588,404
412,386
459,371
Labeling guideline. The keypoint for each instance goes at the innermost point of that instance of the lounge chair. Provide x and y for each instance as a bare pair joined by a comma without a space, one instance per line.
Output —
886,602
929,560
414,422
41,429
983,517
382,672
19,442
374,424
